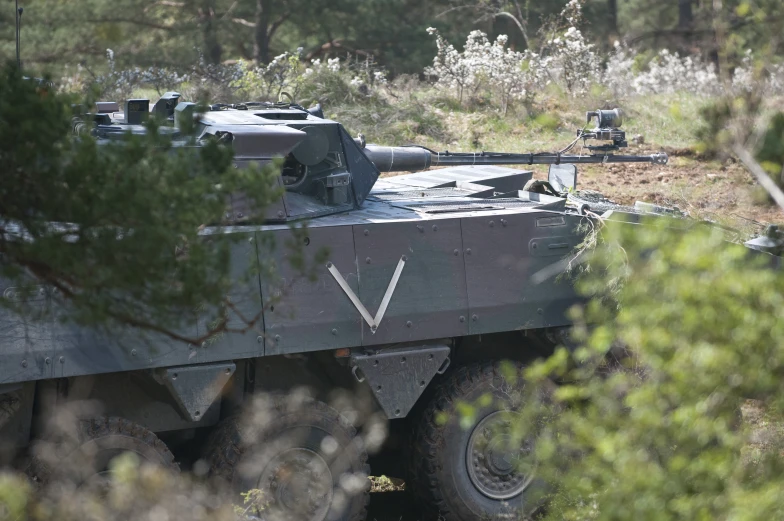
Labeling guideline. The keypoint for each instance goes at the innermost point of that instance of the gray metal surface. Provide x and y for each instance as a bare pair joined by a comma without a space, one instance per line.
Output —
430,298
501,179
310,315
501,254
83,351
398,377
28,348
195,387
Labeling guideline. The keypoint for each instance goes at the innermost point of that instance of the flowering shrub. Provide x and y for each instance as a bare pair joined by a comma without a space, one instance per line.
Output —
567,60
268,82
121,83
483,69
572,62
618,73
670,73
485,66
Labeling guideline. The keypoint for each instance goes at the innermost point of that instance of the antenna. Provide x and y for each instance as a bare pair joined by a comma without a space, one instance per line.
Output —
19,11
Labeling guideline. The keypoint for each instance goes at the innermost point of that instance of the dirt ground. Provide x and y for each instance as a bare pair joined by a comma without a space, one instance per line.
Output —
720,191
706,189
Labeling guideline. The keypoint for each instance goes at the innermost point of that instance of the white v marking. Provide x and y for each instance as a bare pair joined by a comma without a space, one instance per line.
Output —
373,322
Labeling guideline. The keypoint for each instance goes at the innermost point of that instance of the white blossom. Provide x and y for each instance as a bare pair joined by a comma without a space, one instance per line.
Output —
380,77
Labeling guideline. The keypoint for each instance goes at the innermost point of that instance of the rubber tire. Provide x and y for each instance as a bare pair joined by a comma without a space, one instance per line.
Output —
438,454
95,441
230,446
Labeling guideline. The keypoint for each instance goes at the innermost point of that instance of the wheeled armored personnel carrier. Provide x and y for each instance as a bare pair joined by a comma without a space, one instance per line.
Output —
432,279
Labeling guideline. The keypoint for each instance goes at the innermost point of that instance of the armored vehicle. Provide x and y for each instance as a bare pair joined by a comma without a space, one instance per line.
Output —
432,279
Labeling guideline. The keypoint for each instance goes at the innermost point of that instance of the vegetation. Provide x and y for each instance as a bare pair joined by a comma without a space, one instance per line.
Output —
121,250
656,433
670,426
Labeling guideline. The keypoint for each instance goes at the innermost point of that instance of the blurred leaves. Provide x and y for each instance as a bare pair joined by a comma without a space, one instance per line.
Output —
655,434
137,491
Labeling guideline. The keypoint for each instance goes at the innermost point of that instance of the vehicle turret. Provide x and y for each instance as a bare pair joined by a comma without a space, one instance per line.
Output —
324,170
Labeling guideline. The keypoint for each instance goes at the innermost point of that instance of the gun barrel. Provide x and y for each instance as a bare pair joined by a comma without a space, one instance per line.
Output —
413,159
398,159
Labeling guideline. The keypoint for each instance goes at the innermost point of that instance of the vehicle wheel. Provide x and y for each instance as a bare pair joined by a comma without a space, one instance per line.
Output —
82,455
303,456
469,466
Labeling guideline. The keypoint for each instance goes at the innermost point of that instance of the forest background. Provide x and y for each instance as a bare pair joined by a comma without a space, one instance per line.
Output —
173,33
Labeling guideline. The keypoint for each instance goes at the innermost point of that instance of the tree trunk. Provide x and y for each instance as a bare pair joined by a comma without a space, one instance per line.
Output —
261,42
612,17
685,14
212,49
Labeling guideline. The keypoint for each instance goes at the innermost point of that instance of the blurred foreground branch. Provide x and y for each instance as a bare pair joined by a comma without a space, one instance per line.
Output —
762,177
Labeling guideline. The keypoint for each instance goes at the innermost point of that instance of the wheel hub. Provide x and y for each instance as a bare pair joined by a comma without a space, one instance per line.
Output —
496,467
298,483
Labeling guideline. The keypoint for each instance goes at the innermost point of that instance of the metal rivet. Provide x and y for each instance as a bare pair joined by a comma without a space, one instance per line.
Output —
492,223
409,324
133,352
24,363
204,344
259,339
403,360
334,331
236,165
240,215
174,376
404,258
281,214
435,227
420,228
474,318
250,240
48,360
277,338
228,215
534,245
397,412
462,318
367,261
62,359
367,232
422,383
503,222
468,251
457,252
228,370
540,311
329,265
